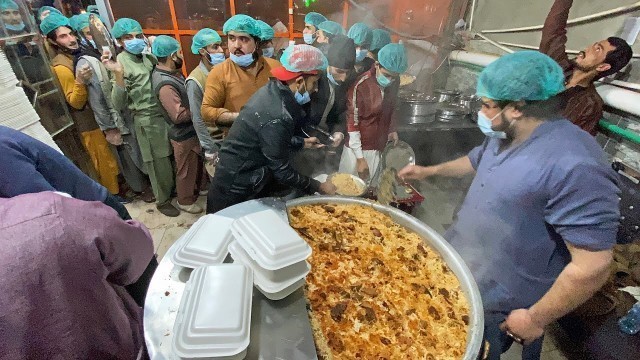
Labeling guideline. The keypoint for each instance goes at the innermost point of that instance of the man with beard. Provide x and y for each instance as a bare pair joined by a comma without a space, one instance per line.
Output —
11,18
117,126
541,216
254,159
232,83
311,22
362,36
603,58
60,36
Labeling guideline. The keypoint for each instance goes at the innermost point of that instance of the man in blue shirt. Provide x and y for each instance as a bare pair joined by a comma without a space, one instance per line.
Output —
30,166
541,216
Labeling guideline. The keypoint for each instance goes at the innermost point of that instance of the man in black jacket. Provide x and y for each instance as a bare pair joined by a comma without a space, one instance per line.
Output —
254,158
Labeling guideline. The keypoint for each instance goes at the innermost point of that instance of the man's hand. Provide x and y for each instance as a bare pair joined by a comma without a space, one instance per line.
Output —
338,137
415,172
113,66
521,325
114,137
393,137
312,143
84,74
327,188
363,169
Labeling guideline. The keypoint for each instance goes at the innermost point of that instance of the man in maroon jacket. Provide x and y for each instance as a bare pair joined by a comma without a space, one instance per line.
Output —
603,58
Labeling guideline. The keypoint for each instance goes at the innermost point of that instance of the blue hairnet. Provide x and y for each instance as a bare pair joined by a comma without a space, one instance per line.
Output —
360,34
51,9
314,18
393,57
79,22
266,31
242,23
93,9
380,39
302,58
523,75
8,5
204,38
331,28
125,26
164,46
52,22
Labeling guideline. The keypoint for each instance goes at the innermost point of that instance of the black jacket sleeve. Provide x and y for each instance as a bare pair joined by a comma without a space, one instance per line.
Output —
275,142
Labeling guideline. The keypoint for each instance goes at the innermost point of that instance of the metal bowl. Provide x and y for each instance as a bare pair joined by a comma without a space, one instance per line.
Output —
437,243
357,180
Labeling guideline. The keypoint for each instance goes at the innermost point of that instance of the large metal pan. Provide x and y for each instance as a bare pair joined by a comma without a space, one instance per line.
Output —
436,242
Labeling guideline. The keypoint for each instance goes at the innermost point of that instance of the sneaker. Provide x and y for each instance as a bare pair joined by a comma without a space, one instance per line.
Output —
167,209
191,209
147,196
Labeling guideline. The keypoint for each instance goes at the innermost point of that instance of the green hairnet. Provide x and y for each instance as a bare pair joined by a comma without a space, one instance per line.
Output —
51,9
204,38
93,9
52,22
164,46
242,23
301,58
380,39
125,26
79,22
314,18
266,31
361,34
331,28
8,5
393,57
523,75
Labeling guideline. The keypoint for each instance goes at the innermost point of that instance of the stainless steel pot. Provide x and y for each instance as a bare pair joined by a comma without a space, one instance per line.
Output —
451,113
437,243
446,96
470,102
417,108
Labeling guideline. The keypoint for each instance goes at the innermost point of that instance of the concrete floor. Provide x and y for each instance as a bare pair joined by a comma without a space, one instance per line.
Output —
442,199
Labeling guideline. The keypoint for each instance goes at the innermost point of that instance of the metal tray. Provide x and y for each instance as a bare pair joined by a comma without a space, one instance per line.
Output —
436,242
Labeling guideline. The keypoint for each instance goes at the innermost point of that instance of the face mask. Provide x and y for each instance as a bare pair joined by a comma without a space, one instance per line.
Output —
93,43
303,98
383,81
217,58
268,52
361,54
18,27
135,46
332,79
484,123
309,38
242,61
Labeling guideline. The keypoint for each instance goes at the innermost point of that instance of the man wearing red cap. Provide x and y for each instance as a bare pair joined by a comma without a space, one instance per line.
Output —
254,158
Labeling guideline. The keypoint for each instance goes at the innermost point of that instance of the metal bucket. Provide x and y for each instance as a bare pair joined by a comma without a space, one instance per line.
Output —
437,243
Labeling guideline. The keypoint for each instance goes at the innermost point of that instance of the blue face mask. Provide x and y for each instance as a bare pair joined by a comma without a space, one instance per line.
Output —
303,98
18,27
309,38
484,123
135,46
242,61
217,58
383,81
361,54
332,79
268,52
93,43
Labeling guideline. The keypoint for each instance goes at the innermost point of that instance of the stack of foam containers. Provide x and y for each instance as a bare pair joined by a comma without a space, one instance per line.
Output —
275,253
205,243
214,318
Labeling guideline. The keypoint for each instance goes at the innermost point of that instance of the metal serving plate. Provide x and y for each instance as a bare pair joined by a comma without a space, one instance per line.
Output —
436,242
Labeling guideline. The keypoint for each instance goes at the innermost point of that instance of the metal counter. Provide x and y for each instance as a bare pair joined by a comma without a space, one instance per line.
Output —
279,329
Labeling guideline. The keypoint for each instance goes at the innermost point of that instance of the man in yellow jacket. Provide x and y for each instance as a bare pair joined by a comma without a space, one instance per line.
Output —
62,39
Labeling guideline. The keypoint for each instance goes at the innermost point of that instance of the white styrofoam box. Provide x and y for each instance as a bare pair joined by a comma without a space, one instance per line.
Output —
205,243
214,318
290,280
269,240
